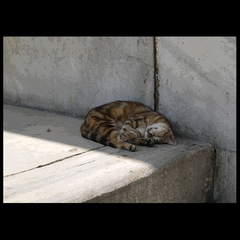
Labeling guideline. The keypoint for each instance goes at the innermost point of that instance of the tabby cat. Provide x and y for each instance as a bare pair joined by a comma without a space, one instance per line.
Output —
124,124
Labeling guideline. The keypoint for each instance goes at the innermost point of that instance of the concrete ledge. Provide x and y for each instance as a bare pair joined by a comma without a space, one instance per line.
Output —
46,160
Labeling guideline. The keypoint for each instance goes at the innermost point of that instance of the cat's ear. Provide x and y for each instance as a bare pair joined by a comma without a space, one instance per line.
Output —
171,140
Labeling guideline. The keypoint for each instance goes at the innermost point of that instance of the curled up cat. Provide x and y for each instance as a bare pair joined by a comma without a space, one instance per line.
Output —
124,124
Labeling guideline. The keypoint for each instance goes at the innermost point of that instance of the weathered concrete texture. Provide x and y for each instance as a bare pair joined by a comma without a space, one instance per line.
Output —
225,177
198,94
33,138
186,178
74,74
56,166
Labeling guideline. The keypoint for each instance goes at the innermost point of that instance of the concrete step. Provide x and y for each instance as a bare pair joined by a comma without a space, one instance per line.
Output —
46,160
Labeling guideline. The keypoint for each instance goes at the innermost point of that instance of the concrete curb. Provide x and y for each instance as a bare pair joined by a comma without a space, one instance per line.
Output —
61,166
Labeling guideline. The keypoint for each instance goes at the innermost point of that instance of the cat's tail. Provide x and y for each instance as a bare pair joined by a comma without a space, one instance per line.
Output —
95,137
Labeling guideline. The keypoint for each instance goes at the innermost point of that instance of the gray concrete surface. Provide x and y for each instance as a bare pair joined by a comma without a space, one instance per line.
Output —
33,138
74,74
197,78
46,160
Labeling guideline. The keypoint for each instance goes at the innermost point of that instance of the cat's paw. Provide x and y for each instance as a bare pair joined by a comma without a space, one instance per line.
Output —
123,136
148,142
131,148
126,136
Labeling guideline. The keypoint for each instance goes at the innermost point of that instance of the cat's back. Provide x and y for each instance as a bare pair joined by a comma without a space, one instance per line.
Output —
118,109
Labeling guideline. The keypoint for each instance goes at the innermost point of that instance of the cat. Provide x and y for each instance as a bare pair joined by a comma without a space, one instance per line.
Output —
124,124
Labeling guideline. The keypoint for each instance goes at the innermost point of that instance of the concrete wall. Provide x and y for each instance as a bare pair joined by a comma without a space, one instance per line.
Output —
74,74
197,78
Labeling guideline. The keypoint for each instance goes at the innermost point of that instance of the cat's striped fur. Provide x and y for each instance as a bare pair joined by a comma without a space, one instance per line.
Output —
124,124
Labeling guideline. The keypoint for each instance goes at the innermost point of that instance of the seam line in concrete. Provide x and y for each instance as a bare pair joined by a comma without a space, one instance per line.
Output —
58,160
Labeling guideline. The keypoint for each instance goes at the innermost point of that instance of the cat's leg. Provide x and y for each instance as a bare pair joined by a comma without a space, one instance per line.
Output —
129,134
105,133
119,143
113,137
142,141
127,131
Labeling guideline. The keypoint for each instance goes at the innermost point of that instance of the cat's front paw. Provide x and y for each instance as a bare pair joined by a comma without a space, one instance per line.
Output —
123,136
131,148
148,142
126,136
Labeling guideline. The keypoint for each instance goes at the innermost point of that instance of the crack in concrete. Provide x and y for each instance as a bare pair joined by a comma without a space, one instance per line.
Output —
58,160
141,61
156,77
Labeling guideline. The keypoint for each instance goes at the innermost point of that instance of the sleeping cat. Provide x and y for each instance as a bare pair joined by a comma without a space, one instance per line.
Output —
124,124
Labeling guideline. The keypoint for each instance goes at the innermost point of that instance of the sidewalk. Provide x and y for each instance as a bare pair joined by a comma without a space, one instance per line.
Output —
47,160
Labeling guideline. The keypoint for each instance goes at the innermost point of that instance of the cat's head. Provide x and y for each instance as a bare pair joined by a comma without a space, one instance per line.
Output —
160,133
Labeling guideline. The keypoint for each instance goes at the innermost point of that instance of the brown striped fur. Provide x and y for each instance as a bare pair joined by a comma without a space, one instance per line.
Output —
124,124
